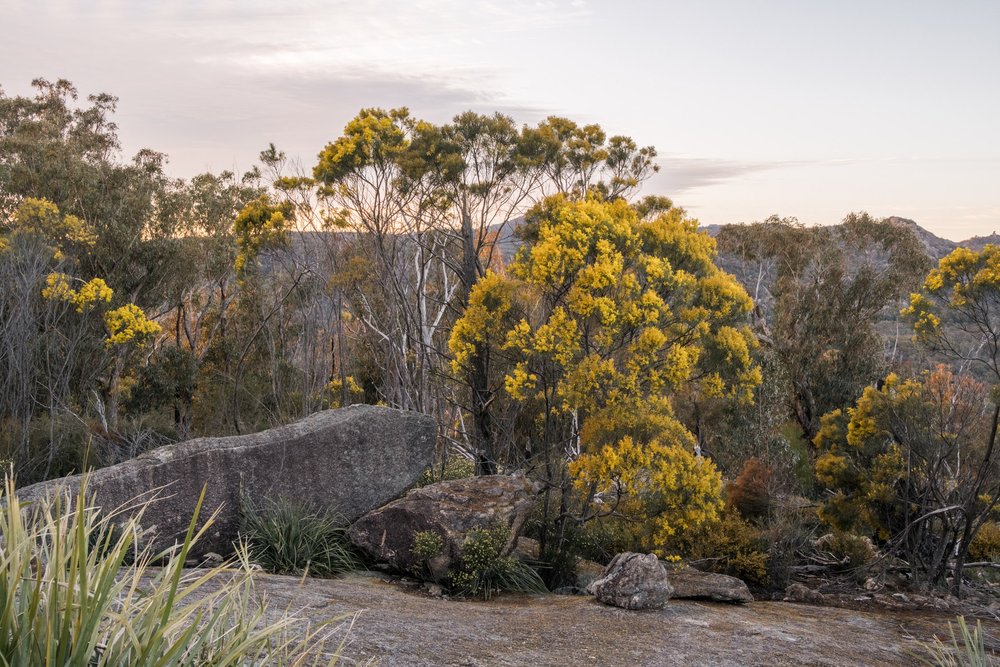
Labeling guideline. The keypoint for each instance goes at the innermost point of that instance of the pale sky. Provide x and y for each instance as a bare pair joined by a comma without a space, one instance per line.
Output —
805,108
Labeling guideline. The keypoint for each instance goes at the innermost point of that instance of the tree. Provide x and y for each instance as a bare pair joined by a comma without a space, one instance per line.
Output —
603,318
819,292
910,463
957,314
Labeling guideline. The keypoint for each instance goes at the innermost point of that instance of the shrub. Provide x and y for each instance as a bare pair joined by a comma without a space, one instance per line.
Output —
730,546
986,544
71,598
850,550
485,569
750,492
285,536
791,531
455,467
427,544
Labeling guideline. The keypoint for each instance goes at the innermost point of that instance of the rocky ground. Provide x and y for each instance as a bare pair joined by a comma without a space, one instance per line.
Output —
403,625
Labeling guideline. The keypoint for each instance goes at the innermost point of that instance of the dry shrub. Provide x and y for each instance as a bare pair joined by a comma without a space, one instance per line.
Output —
750,492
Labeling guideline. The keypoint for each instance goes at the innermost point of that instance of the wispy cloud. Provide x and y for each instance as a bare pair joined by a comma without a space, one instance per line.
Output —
682,174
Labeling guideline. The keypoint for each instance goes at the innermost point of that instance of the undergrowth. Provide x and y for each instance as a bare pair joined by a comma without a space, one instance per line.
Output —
78,589
287,536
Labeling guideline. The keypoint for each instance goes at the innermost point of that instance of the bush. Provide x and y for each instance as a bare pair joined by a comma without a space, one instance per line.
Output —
485,570
70,598
850,550
289,537
730,546
986,545
427,544
791,531
750,492
455,467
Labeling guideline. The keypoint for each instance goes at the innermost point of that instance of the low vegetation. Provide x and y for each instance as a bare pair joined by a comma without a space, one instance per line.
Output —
77,588
486,569
286,536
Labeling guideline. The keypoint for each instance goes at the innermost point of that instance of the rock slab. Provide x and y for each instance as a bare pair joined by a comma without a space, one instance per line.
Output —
633,581
356,459
450,509
689,583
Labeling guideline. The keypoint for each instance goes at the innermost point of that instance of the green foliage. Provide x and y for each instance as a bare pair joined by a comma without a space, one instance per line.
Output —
286,536
77,591
820,291
427,544
965,648
485,569
455,467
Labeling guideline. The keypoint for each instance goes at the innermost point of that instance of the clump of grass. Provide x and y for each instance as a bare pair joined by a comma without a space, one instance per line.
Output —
485,569
76,589
966,648
286,536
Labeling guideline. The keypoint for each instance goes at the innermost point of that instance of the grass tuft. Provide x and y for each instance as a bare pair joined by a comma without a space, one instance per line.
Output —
290,537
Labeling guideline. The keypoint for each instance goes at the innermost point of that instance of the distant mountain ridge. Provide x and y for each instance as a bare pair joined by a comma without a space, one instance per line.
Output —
935,246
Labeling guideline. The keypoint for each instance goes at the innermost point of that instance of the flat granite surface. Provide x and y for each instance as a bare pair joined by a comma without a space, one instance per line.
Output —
400,625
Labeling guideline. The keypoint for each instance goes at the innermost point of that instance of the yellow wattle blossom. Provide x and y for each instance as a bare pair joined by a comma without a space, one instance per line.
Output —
92,292
57,288
129,324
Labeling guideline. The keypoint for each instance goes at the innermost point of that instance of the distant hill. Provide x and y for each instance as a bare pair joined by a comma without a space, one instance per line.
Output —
980,242
935,246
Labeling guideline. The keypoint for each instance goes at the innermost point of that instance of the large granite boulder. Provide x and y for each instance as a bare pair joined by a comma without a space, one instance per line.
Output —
633,581
692,584
449,509
355,459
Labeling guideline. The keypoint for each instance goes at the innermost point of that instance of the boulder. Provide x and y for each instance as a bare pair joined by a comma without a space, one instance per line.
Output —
692,584
450,509
796,592
356,459
633,581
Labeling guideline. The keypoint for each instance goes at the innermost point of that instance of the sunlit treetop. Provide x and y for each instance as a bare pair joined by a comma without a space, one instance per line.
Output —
42,219
958,310
261,224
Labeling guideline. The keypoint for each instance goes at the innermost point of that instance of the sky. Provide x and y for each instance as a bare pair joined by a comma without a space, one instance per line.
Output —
807,109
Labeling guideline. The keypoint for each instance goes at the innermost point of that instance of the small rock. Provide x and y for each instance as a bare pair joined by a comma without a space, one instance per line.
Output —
434,590
871,584
211,557
800,593
633,581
